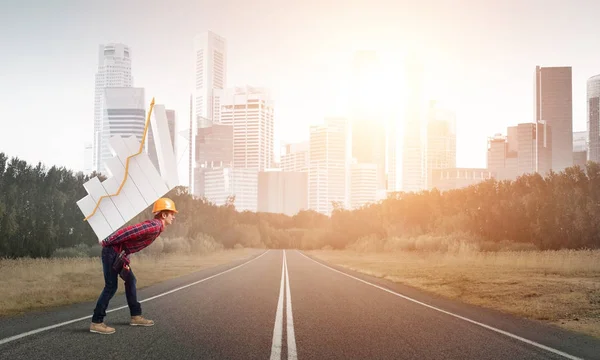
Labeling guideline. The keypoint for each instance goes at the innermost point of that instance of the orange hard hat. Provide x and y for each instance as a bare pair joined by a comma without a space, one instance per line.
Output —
164,204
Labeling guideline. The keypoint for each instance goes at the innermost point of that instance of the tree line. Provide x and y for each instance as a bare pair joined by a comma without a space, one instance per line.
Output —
38,214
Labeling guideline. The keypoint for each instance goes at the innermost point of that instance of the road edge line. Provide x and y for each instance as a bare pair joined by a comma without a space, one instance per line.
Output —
45,328
503,332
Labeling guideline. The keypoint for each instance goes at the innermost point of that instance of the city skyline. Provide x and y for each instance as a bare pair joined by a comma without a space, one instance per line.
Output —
163,62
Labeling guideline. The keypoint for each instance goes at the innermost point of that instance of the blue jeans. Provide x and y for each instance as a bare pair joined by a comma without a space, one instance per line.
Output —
111,281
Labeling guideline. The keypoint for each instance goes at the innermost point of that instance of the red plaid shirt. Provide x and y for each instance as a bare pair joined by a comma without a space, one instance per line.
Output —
134,238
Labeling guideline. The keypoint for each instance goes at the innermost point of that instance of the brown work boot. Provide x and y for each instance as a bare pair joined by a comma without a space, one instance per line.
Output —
140,321
101,328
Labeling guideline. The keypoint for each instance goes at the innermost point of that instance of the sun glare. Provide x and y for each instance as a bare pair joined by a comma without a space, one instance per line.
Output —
379,84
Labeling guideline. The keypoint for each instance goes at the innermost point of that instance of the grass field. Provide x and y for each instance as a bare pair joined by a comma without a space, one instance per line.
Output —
30,284
560,287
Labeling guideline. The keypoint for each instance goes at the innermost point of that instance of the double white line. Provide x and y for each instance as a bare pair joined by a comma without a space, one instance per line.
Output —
278,329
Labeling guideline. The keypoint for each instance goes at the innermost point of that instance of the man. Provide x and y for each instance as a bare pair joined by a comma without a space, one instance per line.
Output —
128,240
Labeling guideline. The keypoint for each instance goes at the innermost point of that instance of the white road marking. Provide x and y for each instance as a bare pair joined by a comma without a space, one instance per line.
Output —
278,329
36,331
291,338
506,333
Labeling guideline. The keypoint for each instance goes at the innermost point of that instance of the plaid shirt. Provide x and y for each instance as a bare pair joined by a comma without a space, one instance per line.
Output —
134,238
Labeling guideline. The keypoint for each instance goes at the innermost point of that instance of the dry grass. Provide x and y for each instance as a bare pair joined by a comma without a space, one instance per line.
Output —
561,287
29,284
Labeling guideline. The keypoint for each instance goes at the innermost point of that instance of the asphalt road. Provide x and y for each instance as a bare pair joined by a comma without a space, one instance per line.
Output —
284,305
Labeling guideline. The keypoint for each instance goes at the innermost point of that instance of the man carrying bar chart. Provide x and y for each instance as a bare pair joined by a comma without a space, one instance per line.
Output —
133,185
115,262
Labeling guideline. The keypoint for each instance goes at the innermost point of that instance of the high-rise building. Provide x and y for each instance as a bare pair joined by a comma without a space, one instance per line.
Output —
295,157
114,70
211,74
580,141
412,147
496,152
210,52
250,111
328,165
214,146
220,184
535,148
580,145
368,125
214,150
441,141
554,105
511,139
124,114
363,184
501,160
151,147
282,192
392,156
593,118
369,145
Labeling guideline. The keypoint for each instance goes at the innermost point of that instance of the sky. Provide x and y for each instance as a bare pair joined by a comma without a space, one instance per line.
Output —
480,60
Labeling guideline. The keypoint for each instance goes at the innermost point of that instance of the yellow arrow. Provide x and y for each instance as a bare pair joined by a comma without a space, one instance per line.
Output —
126,163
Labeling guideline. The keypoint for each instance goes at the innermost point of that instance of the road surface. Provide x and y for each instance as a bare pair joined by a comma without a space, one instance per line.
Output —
285,305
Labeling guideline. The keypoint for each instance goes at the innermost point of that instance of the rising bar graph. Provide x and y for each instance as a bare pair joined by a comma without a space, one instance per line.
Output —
134,183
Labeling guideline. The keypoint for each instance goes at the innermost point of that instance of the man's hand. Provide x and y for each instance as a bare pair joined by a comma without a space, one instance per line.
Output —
124,273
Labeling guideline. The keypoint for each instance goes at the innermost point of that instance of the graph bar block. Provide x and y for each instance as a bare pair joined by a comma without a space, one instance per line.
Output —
121,201
137,175
97,222
108,208
164,147
148,168
129,189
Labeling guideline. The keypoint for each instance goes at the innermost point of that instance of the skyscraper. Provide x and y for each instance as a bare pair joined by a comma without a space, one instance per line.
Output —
535,148
580,141
368,126
295,157
210,52
114,70
501,160
328,165
214,150
412,147
392,156
222,183
441,141
251,113
554,105
580,147
363,181
593,118
124,114
211,73
496,153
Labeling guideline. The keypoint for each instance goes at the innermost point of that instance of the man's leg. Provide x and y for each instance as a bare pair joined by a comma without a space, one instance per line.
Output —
110,288
135,308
